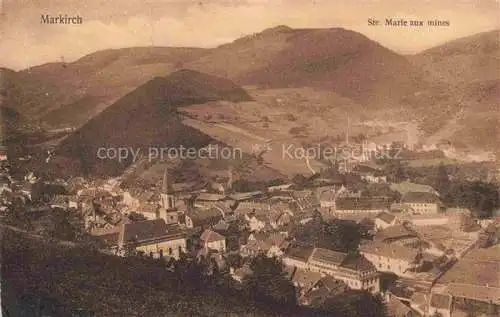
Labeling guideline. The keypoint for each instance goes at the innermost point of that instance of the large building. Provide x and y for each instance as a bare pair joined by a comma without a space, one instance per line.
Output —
353,205
150,237
392,257
354,270
422,203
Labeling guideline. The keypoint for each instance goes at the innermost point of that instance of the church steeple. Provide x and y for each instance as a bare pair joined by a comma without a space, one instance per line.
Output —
166,185
167,193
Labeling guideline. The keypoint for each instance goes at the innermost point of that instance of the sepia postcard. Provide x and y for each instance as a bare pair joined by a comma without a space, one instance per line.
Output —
250,158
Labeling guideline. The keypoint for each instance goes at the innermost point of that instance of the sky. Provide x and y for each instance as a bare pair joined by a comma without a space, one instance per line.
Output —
25,42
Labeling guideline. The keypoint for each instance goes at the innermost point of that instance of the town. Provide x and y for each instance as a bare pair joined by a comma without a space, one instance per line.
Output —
354,226
249,159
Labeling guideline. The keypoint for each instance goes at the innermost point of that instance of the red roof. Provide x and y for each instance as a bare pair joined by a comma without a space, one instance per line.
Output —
211,236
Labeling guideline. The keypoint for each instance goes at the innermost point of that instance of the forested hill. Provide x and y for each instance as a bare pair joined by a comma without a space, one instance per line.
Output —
58,281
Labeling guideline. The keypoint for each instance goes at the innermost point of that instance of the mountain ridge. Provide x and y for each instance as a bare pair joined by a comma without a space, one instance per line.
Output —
147,117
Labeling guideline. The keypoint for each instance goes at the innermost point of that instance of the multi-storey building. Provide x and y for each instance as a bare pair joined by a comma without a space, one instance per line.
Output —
392,257
422,203
354,270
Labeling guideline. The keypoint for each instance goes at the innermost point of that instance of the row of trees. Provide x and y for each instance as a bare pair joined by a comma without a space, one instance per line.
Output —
480,197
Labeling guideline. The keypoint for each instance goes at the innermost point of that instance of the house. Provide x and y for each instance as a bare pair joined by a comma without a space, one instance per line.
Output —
280,215
256,222
327,196
213,240
422,203
459,218
384,220
351,205
370,173
271,244
136,197
148,210
396,308
304,280
202,218
305,200
440,303
325,288
395,233
392,257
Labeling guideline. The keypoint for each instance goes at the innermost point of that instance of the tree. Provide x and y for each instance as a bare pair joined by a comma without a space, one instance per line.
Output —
357,304
395,171
234,260
269,284
340,235
442,179
299,181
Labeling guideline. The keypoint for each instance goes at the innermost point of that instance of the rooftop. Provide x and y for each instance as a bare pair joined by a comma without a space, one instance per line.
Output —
211,236
395,232
420,197
362,203
406,187
210,197
202,216
306,278
397,308
300,253
394,251
143,231
328,256
246,196
358,263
